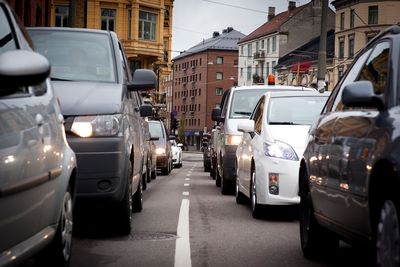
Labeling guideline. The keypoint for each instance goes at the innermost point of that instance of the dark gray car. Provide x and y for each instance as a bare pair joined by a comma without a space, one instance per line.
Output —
100,102
37,167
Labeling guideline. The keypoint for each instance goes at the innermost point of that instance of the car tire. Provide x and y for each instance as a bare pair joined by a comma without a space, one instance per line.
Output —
388,235
226,186
217,179
316,241
255,207
154,174
124,208
148,174
144,180
58,252
240,198
137,199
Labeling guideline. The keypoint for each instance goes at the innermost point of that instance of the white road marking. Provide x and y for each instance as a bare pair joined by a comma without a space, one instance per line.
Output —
186,184
187,179
189,174
182,245
185,193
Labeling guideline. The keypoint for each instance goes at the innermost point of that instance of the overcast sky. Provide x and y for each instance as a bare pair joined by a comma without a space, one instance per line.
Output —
194,20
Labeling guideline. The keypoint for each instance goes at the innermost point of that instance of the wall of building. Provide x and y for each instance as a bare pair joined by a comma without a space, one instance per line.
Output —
33,13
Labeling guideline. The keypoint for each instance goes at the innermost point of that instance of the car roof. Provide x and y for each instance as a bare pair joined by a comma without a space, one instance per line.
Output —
272,87
296,93
66,29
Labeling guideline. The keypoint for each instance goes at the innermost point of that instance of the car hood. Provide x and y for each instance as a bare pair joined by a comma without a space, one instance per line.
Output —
294,135
88,98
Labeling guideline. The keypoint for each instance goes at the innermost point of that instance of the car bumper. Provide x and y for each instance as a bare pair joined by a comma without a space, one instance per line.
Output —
175,159
162,161
101,168
288,172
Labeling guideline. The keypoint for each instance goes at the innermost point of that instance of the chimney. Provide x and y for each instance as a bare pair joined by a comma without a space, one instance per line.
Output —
271,13
292,6
215,34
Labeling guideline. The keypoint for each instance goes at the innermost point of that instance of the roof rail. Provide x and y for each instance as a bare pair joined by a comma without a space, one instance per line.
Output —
394,29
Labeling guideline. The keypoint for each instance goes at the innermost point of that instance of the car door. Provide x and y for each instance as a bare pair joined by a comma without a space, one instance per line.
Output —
220,129
356,146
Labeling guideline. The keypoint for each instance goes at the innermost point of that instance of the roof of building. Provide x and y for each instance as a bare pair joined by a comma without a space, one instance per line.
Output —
227,40
272,25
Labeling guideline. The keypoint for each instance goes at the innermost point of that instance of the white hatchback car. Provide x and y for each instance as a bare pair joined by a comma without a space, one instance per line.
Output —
176,154
267,159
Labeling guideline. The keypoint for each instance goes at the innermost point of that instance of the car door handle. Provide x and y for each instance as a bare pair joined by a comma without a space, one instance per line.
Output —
39,119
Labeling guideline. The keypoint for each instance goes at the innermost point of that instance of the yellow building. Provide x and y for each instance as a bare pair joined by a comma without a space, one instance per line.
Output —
357,22
143,26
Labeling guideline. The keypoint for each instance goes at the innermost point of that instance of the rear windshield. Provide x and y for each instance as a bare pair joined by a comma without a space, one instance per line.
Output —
295,109
76,56
156,129
244,101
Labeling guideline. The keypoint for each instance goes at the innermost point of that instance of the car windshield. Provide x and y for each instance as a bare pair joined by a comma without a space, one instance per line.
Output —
295,110
156,129
76,56
244,101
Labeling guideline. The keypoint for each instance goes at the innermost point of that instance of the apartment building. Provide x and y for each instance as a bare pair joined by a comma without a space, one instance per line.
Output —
201,75
260,51
357,22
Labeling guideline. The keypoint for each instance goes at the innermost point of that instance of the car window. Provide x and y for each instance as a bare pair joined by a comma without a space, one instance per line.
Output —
156,129
7,41
295,109
257,116
123,62
351,76
377,67
224,103
76,56
243,102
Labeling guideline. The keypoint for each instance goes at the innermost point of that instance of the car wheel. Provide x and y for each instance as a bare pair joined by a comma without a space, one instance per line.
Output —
144,180
255,207
137,199
58,252
217,179
226,186
240,198
316,241
148,174
388,236
124,208
154,174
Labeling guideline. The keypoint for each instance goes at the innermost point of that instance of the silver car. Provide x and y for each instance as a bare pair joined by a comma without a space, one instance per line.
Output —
37,167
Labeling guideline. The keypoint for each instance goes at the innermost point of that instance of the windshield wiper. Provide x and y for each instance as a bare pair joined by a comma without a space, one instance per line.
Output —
242,112
59,79
283,123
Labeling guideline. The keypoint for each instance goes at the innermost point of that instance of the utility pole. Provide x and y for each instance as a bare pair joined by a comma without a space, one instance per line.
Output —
322,49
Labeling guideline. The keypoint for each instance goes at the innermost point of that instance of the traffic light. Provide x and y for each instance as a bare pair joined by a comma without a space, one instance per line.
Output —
174,123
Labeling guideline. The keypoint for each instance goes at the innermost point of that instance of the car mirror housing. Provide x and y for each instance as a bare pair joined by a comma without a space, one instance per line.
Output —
146,110
361,94
143,80
22,68
171,137
216,115
246,126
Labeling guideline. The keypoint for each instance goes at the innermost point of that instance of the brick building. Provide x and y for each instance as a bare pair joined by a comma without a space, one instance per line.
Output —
32,12
201,75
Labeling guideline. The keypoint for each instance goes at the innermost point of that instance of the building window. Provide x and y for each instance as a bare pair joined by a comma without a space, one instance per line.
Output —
129,23
220,60
147,25
267,70
199,91
351,46
262,44
273,67
352,17
249,73
241,72
257,46
341,21
373,15
62,16
341,48
249,50
108,19
219,91
241,50
219,76
273,44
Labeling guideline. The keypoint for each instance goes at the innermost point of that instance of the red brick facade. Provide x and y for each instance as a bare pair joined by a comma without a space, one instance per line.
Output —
32,12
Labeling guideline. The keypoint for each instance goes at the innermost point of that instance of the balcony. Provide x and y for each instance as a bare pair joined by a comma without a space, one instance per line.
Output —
260,56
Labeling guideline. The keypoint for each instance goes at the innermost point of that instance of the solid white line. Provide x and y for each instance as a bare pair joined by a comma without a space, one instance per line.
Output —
187,179
185,193
186,184
182,245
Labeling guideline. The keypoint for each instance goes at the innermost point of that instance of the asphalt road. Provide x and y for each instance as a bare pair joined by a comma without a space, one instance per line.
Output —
213,230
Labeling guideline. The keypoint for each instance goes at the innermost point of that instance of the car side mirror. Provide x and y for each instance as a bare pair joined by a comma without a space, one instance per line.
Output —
22,68
143,80
246,126
361,94
216,115
171,137
146,110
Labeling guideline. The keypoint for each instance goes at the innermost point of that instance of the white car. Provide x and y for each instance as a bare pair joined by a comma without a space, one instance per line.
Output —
267,159
176,154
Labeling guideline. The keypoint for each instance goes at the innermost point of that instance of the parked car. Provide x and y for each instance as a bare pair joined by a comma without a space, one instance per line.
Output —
163,146
37,167
349,178
149,155
176,154
237,104
206,152
100,103
267,159
213,154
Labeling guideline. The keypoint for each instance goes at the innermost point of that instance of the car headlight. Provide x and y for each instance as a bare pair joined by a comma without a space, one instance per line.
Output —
160,151
102,125
233,140
279,150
